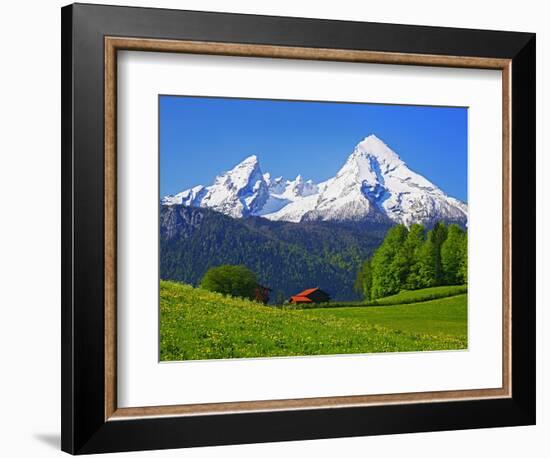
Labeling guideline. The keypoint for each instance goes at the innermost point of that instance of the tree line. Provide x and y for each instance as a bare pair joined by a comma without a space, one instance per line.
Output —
413,258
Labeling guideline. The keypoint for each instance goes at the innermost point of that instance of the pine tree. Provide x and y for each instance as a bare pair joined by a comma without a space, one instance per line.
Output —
452,255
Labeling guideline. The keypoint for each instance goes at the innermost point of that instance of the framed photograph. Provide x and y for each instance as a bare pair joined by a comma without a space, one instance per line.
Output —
283,228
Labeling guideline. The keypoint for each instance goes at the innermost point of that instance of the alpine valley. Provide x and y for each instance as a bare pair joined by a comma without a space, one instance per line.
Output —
296,232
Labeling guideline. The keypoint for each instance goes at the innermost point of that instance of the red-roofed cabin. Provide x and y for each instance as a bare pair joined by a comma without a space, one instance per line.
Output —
315,295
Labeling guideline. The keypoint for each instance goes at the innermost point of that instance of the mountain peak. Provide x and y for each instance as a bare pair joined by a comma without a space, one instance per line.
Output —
372,137
372,141
373,185
245,171
252,159
373,146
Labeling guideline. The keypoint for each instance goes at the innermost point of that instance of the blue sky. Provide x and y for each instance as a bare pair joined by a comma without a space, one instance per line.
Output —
201,137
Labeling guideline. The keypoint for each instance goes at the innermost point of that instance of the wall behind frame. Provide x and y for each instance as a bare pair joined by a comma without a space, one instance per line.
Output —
30,233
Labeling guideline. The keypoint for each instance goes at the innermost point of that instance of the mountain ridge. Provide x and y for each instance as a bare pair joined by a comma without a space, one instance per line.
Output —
373,185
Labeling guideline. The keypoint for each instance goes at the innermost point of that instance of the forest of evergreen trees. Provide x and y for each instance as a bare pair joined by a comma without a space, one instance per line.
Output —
411,258
286,257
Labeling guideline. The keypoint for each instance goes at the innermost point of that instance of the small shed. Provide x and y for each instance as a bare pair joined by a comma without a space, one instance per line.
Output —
261,294
311,295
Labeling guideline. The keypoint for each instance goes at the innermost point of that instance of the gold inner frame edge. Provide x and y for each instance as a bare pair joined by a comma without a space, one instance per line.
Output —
114,44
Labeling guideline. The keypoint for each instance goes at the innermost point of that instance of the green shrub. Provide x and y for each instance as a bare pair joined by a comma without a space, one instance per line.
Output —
237,281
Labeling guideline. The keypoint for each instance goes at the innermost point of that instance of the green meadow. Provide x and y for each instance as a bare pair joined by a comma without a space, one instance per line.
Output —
197,324
440,317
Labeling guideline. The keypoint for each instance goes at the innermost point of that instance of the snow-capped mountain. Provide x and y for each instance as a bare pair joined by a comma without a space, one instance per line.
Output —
373,185
242,191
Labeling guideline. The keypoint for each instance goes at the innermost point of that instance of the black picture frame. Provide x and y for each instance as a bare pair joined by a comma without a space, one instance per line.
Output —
84,428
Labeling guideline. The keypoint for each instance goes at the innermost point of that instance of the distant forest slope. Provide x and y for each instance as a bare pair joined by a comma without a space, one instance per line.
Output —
287,257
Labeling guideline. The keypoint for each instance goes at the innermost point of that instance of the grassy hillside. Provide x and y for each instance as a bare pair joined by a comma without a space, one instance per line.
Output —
197,324
421,295
404,297
443,317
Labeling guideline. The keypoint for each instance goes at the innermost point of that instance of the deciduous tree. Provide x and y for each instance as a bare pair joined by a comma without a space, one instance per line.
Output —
363,283
411,249
452,256
231,280
386,269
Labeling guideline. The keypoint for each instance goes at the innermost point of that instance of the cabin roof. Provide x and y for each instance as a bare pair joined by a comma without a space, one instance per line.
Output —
301,299
306,292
